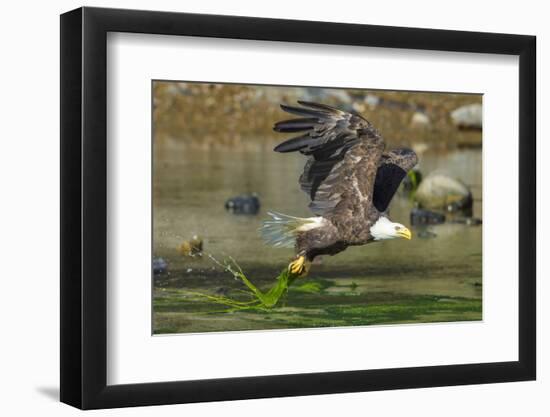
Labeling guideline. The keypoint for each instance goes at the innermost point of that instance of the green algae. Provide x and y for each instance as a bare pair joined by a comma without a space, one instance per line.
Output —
306,310
309,303
256,299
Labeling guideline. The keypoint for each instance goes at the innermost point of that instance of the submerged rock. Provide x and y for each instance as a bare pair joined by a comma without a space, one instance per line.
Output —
192,247
160,266
424,217
468,117
425,234
243,204
223,291
468,221
440,191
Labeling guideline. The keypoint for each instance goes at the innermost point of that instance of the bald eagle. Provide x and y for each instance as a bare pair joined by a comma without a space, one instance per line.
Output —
349,178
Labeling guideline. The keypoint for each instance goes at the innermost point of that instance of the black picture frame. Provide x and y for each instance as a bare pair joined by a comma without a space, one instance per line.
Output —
84,207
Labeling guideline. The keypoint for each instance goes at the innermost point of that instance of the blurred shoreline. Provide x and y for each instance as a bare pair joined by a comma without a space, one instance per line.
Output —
202,116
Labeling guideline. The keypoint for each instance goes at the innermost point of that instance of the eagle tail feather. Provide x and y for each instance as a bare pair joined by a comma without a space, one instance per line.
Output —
281,230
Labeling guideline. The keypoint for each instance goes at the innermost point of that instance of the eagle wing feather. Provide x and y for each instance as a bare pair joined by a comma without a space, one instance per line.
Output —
344,152
392,168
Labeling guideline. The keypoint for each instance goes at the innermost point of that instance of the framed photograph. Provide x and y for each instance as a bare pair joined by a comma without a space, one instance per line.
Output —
257,208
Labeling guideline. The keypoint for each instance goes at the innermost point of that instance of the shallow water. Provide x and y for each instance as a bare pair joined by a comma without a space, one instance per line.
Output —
398,281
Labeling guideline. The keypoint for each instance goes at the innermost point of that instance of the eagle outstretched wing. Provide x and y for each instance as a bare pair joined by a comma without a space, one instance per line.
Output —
392,168
344,150
347,170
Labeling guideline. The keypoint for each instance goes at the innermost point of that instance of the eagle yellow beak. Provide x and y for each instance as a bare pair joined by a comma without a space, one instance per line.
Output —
405,233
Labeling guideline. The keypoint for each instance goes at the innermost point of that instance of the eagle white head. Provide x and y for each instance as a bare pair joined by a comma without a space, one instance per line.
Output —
384,229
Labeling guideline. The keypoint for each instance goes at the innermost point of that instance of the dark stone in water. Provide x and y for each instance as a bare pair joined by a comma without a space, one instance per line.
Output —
423,217
223,291
464,206
425,234
468,221
160,266
243,204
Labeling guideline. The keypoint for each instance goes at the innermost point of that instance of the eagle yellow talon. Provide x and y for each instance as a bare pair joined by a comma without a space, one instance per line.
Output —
298,266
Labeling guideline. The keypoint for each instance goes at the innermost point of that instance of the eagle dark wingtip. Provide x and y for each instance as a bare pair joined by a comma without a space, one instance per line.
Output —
285,107
277,148
283,148
295,125
294,144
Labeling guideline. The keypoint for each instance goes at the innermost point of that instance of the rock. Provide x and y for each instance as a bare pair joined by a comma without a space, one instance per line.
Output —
223,291
192,247
468,221
420,148
472,221
337,94
425,234
160,266
440,191
327,94
372,101
277,96
468,117
420,120
421,217
243,204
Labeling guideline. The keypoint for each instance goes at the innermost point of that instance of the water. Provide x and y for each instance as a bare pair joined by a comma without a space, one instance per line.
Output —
398,281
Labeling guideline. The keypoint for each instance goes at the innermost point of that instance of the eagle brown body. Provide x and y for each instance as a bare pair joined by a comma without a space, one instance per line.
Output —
349,177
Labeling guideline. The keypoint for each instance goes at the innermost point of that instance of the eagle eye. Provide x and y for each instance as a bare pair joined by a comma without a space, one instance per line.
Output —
397,227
